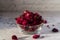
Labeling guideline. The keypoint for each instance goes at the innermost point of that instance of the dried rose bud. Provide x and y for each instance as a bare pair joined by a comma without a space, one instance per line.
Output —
54,30
24,22
14,37
36,36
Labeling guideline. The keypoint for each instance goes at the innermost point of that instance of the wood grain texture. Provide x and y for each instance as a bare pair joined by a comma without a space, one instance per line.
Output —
38,5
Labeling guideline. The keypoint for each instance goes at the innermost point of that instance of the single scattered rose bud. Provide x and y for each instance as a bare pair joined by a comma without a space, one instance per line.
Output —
14,37
36,36
54,30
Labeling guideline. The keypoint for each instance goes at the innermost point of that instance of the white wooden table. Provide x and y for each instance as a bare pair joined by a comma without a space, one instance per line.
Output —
6,31
5,34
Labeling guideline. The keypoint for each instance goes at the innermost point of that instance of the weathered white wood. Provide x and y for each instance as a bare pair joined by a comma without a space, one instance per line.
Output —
34,5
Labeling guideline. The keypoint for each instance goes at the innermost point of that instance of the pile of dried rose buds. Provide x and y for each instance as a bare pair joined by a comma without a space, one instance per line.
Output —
30,19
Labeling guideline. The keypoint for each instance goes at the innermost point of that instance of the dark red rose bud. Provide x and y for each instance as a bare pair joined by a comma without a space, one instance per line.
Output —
19,20
24,22
36,36
54,30
14,37
37,17
40,18
34,23
45,21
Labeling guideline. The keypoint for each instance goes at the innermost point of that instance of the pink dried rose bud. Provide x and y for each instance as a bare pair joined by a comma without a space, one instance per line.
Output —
36,16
